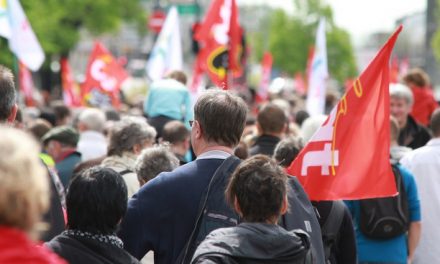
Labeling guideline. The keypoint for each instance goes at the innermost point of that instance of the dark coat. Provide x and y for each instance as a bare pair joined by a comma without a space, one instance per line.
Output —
413,135
264,144
254,243
82,250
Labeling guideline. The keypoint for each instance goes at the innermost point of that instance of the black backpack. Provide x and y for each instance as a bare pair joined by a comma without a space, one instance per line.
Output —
385,218
330,228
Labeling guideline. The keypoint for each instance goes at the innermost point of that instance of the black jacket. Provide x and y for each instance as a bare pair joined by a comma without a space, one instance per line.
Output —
413,135
83,250
254,243
264,144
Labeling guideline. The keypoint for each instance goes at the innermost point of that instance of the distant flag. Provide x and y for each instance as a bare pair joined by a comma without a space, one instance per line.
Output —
404,66
26,84
300,84
315,103
5,27
394,70
71,90
166,54
219,36
266,70
104,76
197,76
22,41
348,157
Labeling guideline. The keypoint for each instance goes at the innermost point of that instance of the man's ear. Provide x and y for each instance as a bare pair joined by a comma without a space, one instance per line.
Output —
284,206
13,114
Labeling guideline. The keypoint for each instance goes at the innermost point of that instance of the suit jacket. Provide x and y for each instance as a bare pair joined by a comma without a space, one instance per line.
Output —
161,216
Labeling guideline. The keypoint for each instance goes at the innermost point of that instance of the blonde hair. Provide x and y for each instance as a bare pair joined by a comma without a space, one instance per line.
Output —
24,188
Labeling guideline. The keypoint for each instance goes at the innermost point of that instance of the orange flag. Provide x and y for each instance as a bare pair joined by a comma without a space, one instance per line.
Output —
348,157
104,77
220,36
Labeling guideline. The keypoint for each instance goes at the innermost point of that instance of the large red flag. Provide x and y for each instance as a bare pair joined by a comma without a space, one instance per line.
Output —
266,70
26,84
220,36
104,77
71,91
348,157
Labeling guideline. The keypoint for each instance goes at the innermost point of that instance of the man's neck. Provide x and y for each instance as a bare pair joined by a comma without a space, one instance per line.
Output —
216,147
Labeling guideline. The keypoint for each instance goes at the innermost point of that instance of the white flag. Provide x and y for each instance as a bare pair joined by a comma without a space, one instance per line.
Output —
5,28
167,51
23,42
318,75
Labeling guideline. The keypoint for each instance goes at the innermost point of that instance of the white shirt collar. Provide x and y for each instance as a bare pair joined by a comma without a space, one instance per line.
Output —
214,154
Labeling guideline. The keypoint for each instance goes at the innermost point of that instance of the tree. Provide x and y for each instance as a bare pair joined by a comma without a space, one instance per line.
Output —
291,36
57,23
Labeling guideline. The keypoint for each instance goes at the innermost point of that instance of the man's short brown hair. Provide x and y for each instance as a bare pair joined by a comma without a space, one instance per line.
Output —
435,123
271,119
418,77
222,116
175,132
259,185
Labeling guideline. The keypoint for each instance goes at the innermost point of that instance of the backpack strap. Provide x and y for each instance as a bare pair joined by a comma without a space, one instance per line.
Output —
227,164
330,229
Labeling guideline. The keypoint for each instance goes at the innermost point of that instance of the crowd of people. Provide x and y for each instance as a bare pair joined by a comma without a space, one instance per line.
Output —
205,183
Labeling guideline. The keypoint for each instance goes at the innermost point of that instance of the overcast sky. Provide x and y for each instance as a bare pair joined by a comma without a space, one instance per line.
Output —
360,17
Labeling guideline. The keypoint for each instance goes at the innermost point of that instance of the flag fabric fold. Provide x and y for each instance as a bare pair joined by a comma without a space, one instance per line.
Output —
348,157
22,40
315,103
220,37
104,77
166,54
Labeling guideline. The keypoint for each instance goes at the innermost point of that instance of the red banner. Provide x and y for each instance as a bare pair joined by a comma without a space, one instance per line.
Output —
348,157
266,70
26,84
104,77
219,36
71,91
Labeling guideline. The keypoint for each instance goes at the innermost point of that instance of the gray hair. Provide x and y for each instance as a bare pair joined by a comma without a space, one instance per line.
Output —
153,161
93,119
400,91
310,126
7,93
128,132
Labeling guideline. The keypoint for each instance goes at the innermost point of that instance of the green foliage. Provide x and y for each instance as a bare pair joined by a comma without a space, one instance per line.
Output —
290,38
57,22
435,42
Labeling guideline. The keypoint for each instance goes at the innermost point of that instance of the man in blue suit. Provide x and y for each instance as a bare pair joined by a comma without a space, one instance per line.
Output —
162,215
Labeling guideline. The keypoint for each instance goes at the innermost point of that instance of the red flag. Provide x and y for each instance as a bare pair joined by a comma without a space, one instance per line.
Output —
309,64
348,157
71,92
266,67
26,84
104,77
300,84
197,76
394,72
219,36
